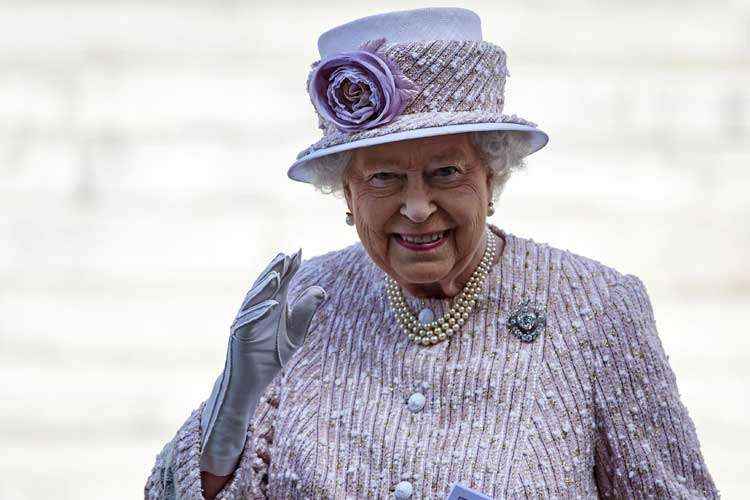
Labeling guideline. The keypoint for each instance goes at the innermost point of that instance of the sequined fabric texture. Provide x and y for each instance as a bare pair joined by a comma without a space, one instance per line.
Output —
590,408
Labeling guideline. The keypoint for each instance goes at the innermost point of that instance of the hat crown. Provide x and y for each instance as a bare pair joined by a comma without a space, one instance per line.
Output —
435,23
405,75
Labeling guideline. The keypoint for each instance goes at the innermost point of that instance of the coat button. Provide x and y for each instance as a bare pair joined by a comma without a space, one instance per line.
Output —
416,402
426,315
404,489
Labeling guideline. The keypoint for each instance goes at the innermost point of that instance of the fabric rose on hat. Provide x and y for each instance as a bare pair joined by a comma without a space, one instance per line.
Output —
359,90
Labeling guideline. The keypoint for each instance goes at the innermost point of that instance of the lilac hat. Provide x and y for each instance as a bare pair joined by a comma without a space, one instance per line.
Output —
405,75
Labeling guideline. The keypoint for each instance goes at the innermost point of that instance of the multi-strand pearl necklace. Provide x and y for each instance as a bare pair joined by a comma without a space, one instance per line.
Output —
432,332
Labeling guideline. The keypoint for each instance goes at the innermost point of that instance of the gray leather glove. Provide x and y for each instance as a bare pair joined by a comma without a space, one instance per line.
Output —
263,337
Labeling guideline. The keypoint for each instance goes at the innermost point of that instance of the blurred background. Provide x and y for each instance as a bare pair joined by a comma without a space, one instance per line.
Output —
143,156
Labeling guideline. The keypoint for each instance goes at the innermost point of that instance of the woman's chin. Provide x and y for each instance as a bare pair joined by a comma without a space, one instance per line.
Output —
421,273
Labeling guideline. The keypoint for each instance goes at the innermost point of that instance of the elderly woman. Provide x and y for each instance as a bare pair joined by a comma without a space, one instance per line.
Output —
439,356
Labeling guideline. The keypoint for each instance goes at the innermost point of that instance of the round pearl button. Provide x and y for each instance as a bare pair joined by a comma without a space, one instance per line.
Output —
426,315
416,402
404,489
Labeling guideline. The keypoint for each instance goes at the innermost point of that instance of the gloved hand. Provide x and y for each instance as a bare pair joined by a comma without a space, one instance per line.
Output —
263,337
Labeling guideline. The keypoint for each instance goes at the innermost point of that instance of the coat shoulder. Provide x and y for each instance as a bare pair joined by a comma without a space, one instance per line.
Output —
589,266
586,274
330,268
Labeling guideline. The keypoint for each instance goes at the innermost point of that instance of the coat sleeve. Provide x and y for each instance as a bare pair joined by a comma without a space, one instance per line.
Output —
646,442
176,473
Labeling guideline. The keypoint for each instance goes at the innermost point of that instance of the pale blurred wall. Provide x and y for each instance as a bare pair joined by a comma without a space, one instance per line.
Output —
143,151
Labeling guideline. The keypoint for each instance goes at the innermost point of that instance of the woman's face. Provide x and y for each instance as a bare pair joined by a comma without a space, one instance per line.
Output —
420,187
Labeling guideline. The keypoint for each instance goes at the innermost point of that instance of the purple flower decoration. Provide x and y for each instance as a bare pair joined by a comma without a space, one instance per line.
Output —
359,90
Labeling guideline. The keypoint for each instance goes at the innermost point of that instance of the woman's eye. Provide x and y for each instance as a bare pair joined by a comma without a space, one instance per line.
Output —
446,171
379,179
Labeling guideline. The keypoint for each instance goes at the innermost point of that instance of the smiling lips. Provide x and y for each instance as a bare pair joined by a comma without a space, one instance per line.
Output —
422,242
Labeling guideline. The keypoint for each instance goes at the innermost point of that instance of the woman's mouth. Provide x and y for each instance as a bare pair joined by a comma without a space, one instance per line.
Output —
423,242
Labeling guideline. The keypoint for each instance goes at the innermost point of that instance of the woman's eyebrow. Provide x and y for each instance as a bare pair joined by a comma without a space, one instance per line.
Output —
376,164
380,164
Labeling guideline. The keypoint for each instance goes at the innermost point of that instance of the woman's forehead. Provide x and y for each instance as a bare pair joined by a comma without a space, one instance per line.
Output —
424,150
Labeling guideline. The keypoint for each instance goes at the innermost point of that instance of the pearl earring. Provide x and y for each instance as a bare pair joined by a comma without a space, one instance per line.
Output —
491,210
350,218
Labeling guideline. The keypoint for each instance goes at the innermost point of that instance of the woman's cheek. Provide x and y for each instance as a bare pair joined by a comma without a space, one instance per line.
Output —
468,189
372,227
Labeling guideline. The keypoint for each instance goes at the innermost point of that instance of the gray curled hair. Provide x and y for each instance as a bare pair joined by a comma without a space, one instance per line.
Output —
502,151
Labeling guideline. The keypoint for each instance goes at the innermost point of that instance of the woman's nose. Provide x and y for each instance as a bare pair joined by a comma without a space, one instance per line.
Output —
418,205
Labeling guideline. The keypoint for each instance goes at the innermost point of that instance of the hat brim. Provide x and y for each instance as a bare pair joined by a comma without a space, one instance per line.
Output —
301,170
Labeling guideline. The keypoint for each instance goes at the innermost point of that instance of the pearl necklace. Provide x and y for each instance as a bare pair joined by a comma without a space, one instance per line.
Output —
442,328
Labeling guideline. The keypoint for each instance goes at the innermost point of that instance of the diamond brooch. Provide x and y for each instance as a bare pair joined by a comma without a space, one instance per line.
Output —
527,321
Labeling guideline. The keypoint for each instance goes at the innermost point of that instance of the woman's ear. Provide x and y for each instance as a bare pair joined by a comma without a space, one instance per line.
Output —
346,185
490,180
347,194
